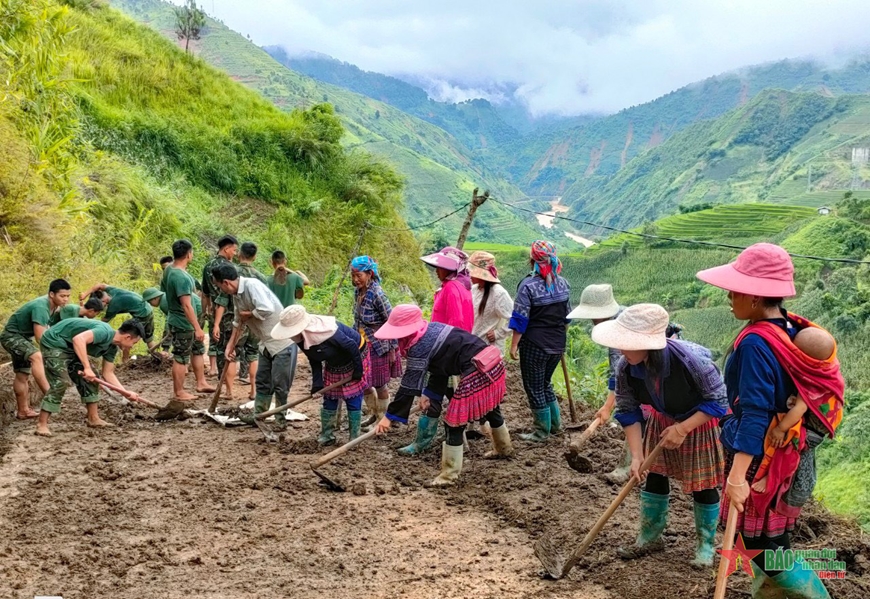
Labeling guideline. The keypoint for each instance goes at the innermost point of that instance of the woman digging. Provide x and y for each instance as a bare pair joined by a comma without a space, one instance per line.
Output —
765,369
443,351
334,351
682,385
371,309
539,322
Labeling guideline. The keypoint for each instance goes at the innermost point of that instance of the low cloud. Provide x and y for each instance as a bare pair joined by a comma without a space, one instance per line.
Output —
556,56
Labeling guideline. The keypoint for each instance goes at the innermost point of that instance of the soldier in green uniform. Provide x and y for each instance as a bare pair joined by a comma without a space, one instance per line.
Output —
89,309
66,347
220,307
247,348
29,322
120,301
288,285
182,321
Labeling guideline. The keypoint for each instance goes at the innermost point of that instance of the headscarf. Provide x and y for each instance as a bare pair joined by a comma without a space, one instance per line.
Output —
543,254
319,329
461,273
365,264
406,343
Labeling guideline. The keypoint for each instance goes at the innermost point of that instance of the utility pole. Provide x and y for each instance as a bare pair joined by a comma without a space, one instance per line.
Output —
476,202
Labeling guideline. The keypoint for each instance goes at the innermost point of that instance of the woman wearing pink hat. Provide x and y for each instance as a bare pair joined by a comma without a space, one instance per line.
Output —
452,303
682,385
764,370
539,324
444,351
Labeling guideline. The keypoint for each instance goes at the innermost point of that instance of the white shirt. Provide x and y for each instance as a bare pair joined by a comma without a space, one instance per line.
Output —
499,307
265,307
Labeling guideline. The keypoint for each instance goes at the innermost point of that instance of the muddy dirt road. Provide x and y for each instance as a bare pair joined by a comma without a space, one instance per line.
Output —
189,509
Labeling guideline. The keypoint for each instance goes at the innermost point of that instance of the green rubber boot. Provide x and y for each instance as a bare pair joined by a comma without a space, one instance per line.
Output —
653,520
327,427
542,426
763,586
427,428
555,418
706,518
354,421
798,583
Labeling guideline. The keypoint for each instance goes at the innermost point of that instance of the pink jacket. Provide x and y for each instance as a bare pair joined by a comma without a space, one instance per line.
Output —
453,305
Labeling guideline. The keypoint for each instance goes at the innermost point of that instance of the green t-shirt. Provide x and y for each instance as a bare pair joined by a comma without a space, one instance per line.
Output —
176,284
60,336
126,302
68,311
197,304
287,292
34,312
247,270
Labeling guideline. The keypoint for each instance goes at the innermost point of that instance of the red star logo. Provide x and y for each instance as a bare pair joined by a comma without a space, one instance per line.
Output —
739,557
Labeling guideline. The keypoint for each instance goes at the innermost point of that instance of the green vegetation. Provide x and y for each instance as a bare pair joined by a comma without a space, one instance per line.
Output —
116,142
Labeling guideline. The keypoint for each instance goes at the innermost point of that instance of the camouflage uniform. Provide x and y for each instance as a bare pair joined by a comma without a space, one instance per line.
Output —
218,298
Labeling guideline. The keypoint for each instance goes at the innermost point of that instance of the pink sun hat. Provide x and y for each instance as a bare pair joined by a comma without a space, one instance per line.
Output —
404,321
449,258
763,270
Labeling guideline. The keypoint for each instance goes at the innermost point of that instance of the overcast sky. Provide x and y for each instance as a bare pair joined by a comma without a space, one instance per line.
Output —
563,56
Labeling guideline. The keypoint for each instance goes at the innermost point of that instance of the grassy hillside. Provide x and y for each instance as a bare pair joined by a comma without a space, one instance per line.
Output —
115,143
550,162
763,151
475,123
414,147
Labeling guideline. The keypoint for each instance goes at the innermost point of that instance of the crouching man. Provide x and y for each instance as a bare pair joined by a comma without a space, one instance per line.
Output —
65,350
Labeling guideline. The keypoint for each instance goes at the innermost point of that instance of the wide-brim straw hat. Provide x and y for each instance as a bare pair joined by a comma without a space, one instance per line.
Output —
404,320
639,327
596,303
152,293
763,270
449,258
479,264
292,321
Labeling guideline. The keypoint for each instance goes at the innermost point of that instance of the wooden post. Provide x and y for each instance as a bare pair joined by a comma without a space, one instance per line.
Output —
476,202
353,254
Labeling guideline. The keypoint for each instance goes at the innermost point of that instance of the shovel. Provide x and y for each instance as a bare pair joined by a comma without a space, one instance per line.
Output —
571,408
572,456
556,564
340,451
273,435
727,545
113,390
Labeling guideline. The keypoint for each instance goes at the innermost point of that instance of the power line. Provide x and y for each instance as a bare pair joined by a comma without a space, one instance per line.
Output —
674,239
421,226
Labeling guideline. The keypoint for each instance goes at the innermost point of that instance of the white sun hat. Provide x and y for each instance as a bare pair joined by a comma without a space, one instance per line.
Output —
639,327
292,322
596,302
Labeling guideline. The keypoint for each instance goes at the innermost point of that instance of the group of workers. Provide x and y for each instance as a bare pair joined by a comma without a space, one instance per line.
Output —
750,433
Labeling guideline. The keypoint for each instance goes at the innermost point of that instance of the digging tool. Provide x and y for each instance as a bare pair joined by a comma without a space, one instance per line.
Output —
340,451
114,390
554,562
273,435
572,409
575,460
217,394
727,545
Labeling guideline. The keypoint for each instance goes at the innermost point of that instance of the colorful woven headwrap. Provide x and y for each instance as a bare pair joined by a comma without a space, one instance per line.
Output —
543,254
365,264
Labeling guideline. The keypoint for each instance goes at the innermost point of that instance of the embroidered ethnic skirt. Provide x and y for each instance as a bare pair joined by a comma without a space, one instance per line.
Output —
476,396
750,523
333,374
384,369
698,463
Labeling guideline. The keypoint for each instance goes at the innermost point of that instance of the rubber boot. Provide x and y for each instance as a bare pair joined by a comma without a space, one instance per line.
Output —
370,400
501,444
798,583
354,421
619,475
327,427
653,520
706,519
556,427
451,466
763,586
542,426
427,428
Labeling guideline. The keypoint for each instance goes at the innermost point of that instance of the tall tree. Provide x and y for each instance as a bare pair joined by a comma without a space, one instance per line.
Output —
189,22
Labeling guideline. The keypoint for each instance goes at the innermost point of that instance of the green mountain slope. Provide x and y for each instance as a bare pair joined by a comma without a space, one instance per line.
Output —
115,143
475,123
763,151
440,172
548,163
